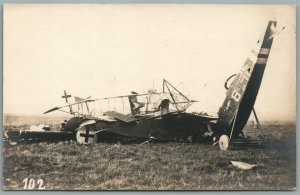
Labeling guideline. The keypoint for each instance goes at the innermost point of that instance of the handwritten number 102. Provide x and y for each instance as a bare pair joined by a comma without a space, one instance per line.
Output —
30,184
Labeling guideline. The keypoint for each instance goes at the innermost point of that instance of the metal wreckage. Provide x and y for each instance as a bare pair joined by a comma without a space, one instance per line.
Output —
163,115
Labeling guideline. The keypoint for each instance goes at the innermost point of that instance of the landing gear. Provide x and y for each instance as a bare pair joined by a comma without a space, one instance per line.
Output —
224,142
86,134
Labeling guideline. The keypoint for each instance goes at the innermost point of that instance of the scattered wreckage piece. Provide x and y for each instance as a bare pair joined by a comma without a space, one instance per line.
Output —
242,165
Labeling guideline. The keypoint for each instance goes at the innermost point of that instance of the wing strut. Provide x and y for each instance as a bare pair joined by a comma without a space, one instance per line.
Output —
172,91
165,81
171,95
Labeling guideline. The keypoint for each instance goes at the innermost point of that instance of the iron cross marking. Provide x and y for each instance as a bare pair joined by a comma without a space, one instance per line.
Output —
66,96
86,135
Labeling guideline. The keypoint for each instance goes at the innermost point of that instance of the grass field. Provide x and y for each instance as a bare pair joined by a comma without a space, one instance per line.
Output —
154,166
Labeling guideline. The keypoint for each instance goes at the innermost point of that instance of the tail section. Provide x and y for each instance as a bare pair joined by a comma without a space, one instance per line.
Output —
241,95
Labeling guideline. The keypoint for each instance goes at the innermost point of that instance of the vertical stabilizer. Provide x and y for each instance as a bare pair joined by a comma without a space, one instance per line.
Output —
241,95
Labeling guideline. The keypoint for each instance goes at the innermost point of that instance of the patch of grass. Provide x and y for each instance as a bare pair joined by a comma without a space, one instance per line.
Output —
159,166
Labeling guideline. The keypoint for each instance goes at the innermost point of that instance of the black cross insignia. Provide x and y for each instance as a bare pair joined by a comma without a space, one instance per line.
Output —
86,135
66,96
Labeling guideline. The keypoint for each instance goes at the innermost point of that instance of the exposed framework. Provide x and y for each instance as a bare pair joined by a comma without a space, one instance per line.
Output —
180,101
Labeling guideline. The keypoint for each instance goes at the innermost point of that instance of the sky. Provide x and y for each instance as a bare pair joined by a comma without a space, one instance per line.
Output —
110,50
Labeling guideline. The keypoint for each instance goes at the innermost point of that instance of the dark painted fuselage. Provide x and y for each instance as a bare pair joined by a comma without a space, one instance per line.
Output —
178,126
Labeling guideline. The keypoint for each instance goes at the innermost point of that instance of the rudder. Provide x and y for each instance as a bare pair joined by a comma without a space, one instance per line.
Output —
241,95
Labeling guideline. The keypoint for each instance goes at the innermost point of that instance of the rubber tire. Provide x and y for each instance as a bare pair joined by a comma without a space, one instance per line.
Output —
224,142
83,130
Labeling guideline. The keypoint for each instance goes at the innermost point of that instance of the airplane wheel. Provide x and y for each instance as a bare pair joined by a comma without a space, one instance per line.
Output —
224,142
86,135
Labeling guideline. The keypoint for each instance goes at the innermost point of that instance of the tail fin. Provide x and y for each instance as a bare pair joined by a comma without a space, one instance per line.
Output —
241,95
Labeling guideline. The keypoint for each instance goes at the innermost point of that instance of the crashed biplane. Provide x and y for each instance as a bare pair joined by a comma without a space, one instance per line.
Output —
163,115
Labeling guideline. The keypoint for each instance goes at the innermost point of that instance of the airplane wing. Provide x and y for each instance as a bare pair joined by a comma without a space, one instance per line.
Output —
52,109
80,100
105,118
121,117
190,116
17,135
68,105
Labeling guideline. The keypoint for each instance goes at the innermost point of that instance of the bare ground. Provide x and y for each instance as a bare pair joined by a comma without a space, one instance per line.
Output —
154,166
